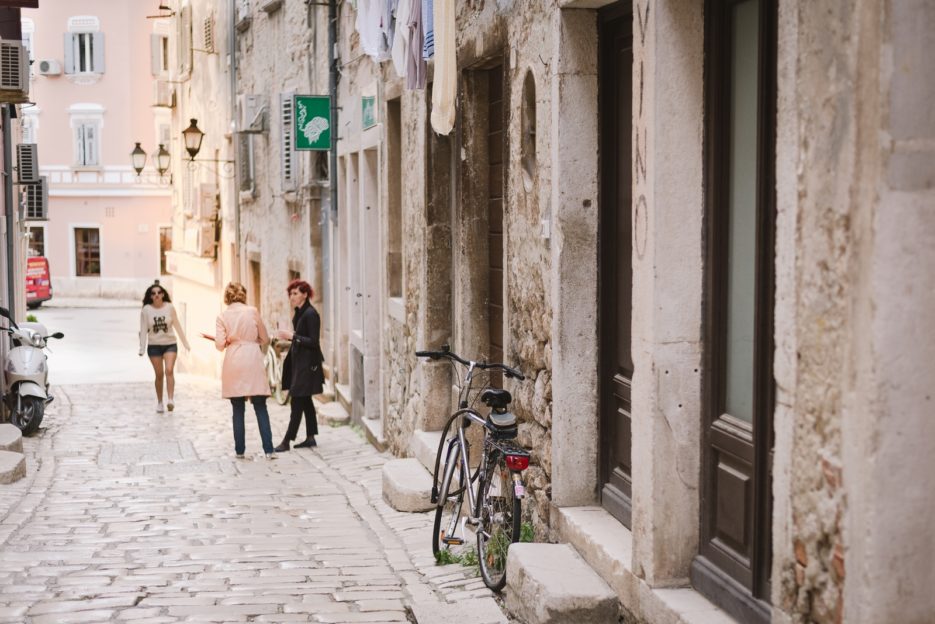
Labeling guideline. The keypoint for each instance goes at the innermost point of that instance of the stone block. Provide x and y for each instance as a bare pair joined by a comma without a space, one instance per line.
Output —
11,438
473,611
423,446
551,584
373,428
12,466
333,413
407,486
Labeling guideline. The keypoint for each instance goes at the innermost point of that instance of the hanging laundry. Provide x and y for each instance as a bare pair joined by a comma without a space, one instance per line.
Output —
428,28
445,83
388,22
415,62
401,37
369,18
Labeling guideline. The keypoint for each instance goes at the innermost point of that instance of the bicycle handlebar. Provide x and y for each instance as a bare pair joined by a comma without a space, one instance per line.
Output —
446,353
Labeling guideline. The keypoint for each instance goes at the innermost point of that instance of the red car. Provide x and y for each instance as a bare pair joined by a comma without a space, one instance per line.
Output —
38,282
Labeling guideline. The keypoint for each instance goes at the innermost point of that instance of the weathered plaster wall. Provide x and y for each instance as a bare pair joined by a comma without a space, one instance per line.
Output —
280,52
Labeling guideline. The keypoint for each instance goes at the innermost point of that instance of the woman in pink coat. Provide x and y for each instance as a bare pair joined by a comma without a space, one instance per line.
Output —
240,333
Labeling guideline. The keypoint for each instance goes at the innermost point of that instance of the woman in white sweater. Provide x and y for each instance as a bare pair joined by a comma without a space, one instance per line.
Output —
158,327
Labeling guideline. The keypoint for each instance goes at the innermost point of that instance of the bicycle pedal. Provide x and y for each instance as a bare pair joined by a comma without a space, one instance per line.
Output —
452,541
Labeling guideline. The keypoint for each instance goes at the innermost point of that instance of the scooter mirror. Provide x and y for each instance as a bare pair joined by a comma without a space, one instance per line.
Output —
57,335
4,312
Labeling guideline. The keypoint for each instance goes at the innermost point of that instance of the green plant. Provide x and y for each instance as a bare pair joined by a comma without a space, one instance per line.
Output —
446,557
527,533
467,558
31,318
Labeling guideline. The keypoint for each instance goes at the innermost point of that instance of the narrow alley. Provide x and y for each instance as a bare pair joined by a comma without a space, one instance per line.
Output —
127,515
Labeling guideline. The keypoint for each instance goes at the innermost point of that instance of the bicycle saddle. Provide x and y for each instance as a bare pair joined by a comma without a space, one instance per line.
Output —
496,398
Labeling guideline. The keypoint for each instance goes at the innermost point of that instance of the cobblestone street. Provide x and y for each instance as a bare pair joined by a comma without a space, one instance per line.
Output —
129,515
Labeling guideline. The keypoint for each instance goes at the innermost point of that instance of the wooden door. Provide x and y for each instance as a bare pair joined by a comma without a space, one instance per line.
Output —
616,271
733,563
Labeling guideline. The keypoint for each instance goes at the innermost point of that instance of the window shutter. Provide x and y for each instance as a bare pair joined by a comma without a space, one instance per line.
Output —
90,139
79,144
97,52
70,53
245,161
288,160
185,40
155,54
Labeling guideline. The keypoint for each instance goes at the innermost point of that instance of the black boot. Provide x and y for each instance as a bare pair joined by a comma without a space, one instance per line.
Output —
282,448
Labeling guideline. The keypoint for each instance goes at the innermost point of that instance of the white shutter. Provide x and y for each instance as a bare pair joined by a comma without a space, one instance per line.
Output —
97,52
155,54
70,53
245,161
185,40
288,160
91,139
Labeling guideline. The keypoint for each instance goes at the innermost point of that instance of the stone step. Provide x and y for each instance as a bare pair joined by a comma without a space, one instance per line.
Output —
342,394
552,584
373,429
11,438
423,445
470,611
407,486
333,414
12,466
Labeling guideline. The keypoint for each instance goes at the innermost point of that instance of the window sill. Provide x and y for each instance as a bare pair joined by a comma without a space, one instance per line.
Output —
85,78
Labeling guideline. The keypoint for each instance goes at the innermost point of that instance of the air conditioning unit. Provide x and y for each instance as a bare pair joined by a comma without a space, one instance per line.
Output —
14,72
27,163
37,201
49,67
252,113
207,239
243,15
163,93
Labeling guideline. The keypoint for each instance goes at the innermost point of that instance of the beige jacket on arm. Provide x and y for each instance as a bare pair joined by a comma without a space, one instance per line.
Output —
240,333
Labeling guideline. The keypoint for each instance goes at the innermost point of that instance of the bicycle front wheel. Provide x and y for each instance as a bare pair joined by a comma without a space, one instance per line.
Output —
448,531
500,515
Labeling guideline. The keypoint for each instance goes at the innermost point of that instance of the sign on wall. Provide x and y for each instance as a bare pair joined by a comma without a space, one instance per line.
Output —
368,109
312,122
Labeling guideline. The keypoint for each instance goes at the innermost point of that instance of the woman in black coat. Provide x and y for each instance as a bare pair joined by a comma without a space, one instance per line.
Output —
302,372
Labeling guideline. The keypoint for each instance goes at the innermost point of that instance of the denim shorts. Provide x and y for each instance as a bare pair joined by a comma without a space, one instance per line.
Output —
161,350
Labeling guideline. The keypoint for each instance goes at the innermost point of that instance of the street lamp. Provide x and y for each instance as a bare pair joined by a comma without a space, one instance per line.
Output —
193,137
162,159
138,158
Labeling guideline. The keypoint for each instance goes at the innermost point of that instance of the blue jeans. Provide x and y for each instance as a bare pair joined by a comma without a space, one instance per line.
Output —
262,421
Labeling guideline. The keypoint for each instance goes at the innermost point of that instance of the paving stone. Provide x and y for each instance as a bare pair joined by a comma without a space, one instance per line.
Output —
476,611
11,438
332,413
406,485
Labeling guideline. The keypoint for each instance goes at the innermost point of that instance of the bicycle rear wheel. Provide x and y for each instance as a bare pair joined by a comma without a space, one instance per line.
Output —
448,530
500,515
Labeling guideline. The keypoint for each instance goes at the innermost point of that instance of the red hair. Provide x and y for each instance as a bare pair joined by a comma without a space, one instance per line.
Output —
302,286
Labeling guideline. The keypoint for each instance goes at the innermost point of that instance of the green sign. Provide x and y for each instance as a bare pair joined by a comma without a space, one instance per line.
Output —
368,109
312,122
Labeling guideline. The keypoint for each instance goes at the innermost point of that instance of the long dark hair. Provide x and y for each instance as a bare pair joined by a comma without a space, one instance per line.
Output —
148,297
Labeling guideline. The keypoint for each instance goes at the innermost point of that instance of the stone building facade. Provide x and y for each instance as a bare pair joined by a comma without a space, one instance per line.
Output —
701,229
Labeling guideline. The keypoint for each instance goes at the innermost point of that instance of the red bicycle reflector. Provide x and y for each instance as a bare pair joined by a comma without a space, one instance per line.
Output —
517,462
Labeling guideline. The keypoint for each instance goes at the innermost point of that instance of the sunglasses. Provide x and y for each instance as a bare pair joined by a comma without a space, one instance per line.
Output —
157,292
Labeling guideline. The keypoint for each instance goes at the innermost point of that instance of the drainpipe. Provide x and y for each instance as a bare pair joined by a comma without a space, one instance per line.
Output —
9,208
236,271
330,217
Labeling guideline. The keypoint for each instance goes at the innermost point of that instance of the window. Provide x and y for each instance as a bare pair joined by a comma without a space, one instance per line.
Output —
159,54
394,218
87,143
36,241
84,46
165,245
87,252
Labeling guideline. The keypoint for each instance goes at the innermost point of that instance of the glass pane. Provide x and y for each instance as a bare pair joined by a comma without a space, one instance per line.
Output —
741,266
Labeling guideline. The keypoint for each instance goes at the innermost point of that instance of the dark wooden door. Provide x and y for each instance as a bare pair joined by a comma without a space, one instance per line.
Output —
616,279
733,563
495,194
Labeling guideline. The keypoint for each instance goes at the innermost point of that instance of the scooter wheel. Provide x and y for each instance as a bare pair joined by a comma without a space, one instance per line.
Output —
30,415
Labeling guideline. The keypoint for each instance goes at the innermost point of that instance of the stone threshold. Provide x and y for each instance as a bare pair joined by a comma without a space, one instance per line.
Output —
607,546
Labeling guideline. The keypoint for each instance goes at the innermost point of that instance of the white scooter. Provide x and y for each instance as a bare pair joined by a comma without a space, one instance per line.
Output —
26,374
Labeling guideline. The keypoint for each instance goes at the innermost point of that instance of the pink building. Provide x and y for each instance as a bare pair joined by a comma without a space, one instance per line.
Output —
93,73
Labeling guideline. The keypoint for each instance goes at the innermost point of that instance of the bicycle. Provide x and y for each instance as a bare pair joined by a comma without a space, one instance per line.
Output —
495,509
273,362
